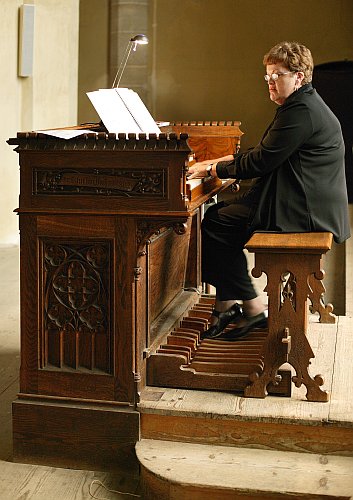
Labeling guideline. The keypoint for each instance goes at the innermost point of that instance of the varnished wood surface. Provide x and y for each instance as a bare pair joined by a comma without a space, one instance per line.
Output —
325,340
291,242
93,281
299,255
209,140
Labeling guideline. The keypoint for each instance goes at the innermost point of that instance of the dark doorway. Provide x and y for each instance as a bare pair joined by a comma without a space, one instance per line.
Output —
334,82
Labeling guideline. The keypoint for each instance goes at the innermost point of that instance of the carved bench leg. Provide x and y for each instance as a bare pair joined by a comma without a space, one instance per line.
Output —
299,356
273,360
316,296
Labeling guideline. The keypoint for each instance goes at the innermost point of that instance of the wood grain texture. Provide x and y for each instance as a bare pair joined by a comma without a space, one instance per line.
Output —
249,433
322,338
80,432
341,406
19,481
290,242
167,254
73,435
188,471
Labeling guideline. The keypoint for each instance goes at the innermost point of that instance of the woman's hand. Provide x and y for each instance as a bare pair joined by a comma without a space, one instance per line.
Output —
199,170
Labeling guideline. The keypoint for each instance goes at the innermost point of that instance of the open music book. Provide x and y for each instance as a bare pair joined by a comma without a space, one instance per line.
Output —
122,111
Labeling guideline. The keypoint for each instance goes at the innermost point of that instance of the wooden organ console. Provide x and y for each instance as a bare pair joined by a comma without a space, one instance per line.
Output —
109,271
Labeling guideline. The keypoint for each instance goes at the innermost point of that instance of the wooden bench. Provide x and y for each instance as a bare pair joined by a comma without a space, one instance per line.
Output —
292,263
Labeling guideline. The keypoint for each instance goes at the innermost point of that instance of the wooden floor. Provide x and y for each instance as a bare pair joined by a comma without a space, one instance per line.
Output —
333,345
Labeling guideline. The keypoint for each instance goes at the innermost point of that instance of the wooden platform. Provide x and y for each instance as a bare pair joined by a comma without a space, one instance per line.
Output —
333,347
291,427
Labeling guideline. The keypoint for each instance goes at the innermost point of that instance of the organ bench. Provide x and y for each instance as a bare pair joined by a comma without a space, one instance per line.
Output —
292,264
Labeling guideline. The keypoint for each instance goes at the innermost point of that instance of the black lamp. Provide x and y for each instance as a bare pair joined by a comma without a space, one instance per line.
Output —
132,45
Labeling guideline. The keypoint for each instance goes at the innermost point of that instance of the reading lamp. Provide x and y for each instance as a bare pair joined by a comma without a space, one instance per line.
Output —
132,45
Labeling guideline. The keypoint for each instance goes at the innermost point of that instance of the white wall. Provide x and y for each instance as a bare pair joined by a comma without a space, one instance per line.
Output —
47,99
10,93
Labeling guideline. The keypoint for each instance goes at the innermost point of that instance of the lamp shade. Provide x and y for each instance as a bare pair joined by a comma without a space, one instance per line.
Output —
140,39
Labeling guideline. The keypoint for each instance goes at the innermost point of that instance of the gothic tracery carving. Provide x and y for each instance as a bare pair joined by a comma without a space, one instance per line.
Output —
76,305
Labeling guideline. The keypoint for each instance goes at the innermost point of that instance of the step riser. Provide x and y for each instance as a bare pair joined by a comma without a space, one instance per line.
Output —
325,439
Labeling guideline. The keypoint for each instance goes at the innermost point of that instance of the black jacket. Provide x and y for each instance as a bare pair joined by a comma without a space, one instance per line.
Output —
299,164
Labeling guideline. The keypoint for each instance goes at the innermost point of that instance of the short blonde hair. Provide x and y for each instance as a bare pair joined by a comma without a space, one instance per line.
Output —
294,56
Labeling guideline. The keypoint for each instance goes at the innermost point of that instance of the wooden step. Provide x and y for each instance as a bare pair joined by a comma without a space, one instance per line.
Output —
274,423
230,422
187,471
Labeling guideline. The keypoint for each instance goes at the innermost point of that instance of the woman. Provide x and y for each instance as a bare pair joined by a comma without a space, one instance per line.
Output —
300,187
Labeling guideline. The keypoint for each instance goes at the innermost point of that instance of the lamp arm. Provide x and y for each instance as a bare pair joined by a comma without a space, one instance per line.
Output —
123,63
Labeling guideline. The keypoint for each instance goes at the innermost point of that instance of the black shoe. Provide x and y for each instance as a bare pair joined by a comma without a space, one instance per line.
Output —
224,318
258,321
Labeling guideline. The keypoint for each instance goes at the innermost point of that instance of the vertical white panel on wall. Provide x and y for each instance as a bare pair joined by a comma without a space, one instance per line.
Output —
26,38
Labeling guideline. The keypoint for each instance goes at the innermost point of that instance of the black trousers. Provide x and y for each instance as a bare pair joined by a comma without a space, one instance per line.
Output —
225,230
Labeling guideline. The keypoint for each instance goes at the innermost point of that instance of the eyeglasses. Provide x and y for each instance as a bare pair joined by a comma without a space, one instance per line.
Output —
274,77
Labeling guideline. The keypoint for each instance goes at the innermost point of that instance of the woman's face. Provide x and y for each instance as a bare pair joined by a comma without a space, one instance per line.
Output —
285,85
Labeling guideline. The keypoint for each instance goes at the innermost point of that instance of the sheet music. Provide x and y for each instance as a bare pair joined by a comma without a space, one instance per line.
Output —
122,111
66,133
113,112
138,110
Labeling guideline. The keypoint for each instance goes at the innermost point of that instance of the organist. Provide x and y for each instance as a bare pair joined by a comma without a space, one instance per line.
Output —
300,187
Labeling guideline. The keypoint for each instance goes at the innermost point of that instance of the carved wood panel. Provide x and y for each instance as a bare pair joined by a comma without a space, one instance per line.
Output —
76,331
100,182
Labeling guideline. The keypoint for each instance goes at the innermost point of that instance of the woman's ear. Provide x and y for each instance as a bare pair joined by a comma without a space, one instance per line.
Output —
299,77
